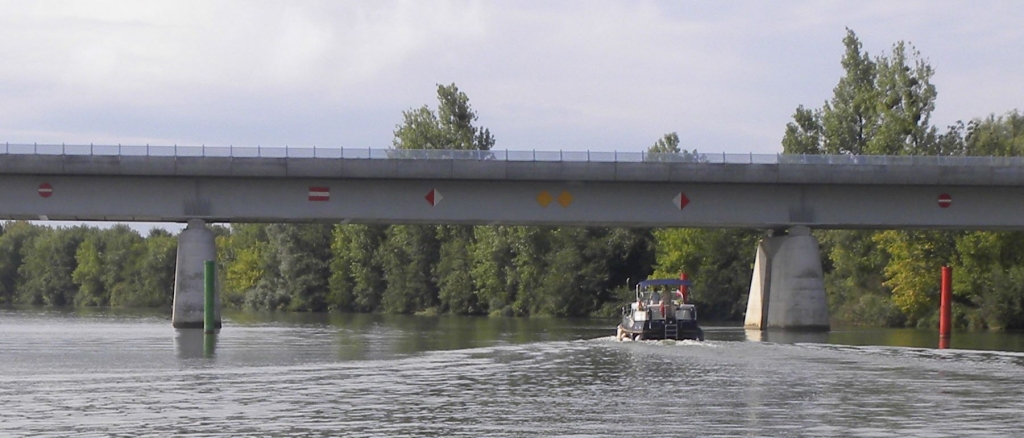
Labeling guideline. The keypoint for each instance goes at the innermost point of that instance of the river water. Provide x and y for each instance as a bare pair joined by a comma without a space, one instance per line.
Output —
131,374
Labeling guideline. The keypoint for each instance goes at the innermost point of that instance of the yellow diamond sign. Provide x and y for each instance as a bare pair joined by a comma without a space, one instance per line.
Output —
565,199
544,198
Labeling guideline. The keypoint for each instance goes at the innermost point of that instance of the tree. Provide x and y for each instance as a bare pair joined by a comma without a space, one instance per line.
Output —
667,144
123,250
47,267
408,258
357,277
492,268
88,275
242,257
850,119
303,255
156,271
915,258
881,106
905,101
451,127
455,283
16,236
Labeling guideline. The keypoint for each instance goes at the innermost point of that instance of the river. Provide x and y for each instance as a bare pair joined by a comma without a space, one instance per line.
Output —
110,373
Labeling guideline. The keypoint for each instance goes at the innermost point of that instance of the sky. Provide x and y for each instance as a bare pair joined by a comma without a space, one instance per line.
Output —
545,75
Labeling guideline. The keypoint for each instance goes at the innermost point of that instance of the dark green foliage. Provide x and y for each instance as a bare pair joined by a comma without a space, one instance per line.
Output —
47,266
16,236
303,254
408,257
455,283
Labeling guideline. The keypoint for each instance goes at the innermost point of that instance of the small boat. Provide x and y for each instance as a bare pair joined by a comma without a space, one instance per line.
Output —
660,312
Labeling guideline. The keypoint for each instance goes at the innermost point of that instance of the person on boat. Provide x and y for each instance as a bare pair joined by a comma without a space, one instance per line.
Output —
663,302
655,297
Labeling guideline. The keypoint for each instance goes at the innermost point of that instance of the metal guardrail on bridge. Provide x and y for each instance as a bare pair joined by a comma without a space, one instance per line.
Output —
497,155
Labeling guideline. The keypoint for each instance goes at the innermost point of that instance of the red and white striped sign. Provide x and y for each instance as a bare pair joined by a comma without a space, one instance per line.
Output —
45,190
319,194
945,200
434,197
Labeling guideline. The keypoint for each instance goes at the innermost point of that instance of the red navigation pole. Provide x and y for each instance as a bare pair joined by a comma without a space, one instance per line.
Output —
684,290
945,307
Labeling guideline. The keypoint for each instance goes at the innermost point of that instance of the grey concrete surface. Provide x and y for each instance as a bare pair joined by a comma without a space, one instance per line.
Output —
787,290
226,189
196,245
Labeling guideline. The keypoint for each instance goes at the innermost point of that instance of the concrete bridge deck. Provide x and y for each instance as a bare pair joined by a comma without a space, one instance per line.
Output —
140,183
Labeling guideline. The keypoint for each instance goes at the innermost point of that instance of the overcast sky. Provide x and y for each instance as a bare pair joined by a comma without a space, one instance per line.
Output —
597,75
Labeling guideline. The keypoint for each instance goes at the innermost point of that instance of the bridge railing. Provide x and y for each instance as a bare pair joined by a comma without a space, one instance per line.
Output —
496,155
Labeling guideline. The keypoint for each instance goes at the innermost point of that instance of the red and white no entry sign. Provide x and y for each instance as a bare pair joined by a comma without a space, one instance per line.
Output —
945,200
45,190
320,194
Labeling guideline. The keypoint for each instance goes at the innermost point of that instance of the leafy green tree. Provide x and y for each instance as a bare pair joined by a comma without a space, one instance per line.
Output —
303,253
408,257
880,106
451,127
492,260
915,260
667,144
123,249
47,267
88,275
156,271
530,246
16,235
1001,136
242,256
577,272
455,283
804,135
854,263
849,120
357,275
906,99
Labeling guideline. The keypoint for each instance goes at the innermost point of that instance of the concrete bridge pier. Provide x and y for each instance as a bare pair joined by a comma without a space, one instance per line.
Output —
196,245
787,290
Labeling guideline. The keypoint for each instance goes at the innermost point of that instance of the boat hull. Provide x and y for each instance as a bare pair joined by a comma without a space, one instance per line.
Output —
656,330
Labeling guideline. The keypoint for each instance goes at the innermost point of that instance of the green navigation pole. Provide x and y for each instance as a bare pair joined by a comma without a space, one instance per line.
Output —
209,320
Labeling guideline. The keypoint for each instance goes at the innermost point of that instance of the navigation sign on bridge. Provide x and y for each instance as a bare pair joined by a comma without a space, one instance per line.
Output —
945,200
45,190
680,200
320,194
434,197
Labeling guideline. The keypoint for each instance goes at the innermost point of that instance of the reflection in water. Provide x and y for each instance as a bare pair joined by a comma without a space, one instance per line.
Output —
787,336
195,344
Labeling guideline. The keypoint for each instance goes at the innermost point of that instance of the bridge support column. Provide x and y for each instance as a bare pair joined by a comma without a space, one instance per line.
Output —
196,245
787,290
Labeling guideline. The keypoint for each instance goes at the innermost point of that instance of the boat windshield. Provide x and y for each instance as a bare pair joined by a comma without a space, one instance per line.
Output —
654,296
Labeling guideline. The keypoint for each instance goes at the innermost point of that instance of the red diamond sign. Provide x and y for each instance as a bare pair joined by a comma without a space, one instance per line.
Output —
434,197
680,200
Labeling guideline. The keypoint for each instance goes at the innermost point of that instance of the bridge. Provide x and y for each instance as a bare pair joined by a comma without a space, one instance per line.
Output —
788,194
139,183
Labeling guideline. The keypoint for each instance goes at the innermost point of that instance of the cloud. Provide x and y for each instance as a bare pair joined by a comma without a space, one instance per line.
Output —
598,75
